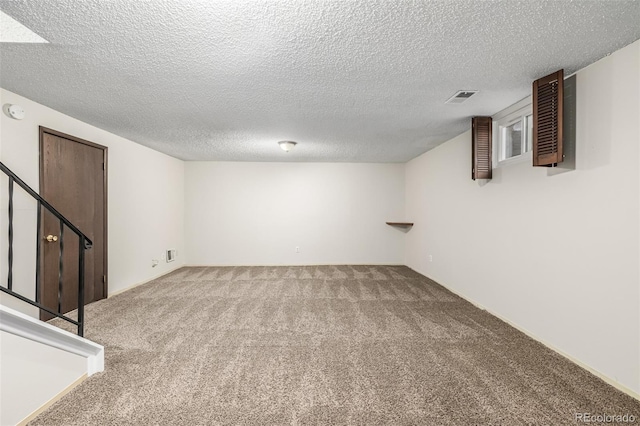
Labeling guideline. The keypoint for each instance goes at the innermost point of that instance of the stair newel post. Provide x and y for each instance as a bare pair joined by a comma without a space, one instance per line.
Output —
10,269
61,266
81,250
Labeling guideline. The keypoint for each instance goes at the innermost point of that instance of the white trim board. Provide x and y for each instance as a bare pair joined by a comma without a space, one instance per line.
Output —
22,325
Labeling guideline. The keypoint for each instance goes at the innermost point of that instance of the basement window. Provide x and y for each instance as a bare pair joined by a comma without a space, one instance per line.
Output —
513,136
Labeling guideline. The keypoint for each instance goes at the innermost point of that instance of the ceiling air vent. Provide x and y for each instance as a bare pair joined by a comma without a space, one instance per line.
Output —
461,96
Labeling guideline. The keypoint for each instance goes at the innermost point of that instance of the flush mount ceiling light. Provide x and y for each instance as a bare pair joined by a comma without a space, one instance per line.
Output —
287,145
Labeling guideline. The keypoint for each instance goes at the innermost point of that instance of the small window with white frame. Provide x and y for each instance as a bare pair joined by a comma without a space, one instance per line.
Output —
513,133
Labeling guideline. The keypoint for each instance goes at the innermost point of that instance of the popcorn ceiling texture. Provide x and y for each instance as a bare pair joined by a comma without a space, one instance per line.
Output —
351,80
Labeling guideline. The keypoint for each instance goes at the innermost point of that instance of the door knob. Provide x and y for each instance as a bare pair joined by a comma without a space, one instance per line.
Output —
51,238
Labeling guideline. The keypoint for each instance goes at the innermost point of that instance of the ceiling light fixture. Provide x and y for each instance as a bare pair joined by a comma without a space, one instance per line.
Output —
287,145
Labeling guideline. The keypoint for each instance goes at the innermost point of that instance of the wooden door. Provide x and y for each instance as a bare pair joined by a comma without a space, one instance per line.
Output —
73,179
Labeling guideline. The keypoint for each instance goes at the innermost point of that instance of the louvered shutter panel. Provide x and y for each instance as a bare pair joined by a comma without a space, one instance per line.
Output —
548,93
481,147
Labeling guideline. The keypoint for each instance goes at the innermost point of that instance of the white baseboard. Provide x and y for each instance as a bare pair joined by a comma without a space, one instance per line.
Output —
155,277
52,401
576,361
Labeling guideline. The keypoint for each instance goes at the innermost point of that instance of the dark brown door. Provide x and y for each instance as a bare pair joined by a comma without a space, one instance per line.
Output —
73,176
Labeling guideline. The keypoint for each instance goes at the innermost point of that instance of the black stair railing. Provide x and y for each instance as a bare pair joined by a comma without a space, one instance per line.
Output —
84,244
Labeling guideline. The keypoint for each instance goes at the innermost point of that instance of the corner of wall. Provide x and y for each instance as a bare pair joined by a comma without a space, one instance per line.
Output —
488,256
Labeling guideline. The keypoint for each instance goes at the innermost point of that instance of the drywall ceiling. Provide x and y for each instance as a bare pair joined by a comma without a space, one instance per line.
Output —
350,80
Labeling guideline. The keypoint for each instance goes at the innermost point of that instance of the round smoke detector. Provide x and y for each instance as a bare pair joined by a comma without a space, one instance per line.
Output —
15,111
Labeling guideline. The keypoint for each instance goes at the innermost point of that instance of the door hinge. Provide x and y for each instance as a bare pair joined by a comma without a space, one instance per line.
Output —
104,278
103,167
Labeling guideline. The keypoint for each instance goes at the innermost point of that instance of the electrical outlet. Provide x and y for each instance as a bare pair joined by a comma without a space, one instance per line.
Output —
430,258
297,249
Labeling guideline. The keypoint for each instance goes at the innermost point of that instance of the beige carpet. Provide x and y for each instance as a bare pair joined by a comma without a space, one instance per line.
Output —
362,345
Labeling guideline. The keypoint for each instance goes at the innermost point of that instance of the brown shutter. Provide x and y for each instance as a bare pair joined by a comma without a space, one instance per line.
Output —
481,147
547,119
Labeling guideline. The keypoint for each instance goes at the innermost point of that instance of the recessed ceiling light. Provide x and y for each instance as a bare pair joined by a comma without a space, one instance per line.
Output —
461,96
14,32
287,145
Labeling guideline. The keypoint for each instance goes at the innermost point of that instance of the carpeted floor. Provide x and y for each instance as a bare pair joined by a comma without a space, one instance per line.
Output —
319,345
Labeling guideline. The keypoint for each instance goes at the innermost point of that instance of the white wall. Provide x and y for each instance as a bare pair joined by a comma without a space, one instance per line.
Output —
146,193
257,213
32,374
39,362
557,256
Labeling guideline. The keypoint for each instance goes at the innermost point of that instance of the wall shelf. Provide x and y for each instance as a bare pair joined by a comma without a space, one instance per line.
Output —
403,224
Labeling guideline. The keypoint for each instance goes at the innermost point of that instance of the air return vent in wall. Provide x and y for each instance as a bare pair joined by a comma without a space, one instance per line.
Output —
461,96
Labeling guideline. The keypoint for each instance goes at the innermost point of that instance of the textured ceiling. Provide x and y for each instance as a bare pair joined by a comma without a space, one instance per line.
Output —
350,80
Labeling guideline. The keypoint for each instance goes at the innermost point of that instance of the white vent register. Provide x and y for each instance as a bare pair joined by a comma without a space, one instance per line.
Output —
461,96
171,255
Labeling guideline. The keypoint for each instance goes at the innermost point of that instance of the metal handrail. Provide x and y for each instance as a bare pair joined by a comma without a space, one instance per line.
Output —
84,244
44,202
